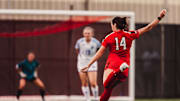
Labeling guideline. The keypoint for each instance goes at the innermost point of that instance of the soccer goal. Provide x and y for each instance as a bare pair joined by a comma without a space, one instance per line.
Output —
99,20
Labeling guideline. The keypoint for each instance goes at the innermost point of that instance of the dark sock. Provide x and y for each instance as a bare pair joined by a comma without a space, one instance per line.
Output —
19,93
42,92
106,94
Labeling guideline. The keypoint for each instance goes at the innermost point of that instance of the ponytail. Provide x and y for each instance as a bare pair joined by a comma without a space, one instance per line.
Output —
120,22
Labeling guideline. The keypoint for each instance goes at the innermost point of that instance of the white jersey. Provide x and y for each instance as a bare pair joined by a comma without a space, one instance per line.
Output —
86,52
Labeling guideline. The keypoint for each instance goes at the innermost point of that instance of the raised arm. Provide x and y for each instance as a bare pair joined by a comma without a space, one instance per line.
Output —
153,23
95,58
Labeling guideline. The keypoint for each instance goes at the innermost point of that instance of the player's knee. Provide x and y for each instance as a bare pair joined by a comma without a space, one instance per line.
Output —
21,86
42,86
93,84
84,84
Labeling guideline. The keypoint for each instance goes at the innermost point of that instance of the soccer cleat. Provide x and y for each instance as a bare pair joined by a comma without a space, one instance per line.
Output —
95,100
88,100
42,93
17,100
43,99
18,94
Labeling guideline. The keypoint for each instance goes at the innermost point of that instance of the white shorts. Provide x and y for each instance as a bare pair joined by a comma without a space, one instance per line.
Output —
82,64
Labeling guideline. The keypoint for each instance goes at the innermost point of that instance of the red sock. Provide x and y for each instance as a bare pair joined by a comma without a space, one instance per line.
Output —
106,94
109,81
112,80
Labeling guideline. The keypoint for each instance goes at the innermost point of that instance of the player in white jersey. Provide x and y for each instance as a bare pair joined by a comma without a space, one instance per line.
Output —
86,48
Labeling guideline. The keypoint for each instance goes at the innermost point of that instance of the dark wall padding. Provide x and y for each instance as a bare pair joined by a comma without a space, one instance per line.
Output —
55,53
58,60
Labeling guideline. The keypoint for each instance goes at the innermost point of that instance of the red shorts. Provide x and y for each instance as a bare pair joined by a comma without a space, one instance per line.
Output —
115,63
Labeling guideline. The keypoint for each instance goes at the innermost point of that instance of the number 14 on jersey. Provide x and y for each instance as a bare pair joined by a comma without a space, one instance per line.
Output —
122,43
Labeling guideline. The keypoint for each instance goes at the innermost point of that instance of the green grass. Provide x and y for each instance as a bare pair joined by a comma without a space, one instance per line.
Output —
157,99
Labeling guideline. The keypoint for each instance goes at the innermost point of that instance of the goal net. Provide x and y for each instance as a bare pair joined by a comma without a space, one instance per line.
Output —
52,34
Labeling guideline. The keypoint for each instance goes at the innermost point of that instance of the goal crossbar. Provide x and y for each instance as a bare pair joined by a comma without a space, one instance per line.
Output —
66,12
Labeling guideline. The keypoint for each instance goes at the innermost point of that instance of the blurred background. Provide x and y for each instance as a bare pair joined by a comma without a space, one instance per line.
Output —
157,52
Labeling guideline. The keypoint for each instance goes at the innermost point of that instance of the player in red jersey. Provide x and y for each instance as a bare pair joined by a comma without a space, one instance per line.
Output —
119,43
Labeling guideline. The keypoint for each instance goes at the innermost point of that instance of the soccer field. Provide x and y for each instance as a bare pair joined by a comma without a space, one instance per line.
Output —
38,98
157,99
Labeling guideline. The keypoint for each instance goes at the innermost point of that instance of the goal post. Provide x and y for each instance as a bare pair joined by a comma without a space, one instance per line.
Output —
130,15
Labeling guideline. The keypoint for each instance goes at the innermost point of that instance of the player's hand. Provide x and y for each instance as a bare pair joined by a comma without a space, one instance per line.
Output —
85,69
162,13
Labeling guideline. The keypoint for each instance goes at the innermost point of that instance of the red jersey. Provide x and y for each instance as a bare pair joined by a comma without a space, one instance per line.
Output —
119,44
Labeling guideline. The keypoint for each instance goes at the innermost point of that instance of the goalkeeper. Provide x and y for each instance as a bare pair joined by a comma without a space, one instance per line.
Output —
27,71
